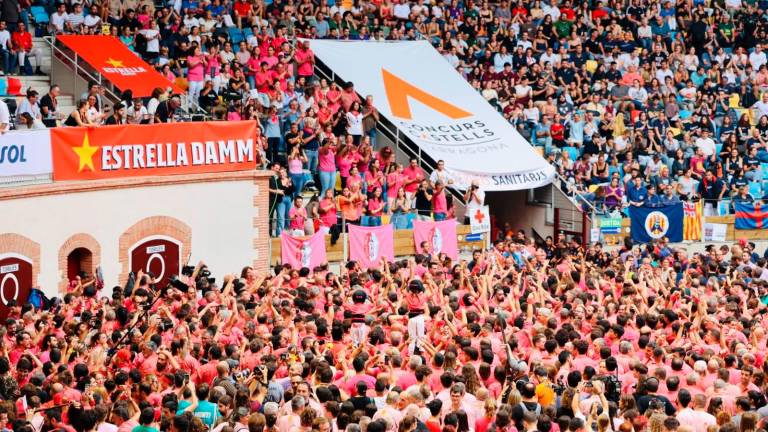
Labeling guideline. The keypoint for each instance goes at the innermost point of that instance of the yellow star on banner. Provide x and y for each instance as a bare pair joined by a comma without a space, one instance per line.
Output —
115,63
85,152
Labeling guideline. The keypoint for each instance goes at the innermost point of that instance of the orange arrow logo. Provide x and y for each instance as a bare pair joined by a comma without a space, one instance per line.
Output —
398,92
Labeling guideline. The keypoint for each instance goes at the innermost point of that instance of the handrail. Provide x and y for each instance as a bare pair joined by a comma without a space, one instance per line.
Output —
80,69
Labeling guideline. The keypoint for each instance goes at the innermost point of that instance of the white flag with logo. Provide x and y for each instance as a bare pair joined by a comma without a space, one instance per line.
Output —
480,220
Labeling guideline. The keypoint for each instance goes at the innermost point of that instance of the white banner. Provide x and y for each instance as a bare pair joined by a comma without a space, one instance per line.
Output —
715,232
480,220
417,90
25,153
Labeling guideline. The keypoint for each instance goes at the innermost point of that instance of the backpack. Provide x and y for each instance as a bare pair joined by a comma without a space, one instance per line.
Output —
38,299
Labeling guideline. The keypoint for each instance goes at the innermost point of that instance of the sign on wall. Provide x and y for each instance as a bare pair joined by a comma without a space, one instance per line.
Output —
160,257
439,111
159,149
15,282
25,153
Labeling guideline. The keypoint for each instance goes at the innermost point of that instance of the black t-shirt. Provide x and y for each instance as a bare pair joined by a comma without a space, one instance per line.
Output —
111,120
423,204
47,102
644,401
164,112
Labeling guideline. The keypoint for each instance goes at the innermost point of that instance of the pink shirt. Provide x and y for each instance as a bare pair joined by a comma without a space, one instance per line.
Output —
304,60
297,217
295,166
196,72
439,202
394,183
411,174
328,218
326,162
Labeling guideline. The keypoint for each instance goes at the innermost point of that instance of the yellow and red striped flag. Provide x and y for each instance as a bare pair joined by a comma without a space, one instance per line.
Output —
692,220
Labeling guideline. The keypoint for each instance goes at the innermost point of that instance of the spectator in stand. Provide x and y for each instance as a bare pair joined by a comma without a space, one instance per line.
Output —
79,117
7,51
49,103
21,40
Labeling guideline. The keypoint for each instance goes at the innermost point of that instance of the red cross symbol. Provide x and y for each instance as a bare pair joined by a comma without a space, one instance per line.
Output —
479,216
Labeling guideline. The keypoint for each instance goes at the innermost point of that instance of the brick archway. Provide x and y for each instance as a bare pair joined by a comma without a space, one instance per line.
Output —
11,243
148,227
77,241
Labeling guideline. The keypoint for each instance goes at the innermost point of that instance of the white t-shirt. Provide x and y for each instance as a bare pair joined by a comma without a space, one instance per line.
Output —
707,146
402,11
135,116
58,20
92,20
472,205
5,116
5,36
355,123
761,108
153,42
757,60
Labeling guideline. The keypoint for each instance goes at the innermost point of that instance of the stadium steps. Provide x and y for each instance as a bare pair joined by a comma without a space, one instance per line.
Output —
42,83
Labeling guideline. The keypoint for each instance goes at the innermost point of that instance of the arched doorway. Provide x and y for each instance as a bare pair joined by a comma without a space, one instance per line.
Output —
79,260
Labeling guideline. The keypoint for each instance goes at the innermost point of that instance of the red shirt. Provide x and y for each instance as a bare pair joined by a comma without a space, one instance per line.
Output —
411,173
22,40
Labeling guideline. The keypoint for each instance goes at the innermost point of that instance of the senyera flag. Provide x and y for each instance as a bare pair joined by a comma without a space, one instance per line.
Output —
117,63
368,245
301,252
440,236
81,153
750,216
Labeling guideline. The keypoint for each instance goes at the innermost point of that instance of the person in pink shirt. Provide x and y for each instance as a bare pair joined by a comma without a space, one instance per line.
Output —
297,216
395,180
412,177
439,202
328,210
305,60
375,207
196,64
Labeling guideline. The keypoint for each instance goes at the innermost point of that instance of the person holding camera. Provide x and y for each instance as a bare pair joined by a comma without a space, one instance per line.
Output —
475,198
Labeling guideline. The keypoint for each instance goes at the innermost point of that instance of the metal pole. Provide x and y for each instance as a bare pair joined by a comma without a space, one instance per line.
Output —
345,252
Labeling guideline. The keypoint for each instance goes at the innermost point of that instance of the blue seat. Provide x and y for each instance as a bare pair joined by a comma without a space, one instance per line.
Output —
236,35
718,149
756,190
764,168
3,86
573,152
247,32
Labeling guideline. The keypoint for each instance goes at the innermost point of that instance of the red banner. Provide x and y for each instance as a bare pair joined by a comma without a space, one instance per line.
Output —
81,153
121,66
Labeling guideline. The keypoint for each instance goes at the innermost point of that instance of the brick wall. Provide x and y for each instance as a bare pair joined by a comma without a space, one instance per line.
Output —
79,240
148,227
261,243
11,243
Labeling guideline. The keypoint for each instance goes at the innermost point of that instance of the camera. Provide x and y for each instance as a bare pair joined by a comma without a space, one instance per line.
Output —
187,270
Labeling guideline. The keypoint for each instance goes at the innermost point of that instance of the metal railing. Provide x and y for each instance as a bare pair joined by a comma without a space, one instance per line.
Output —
391,132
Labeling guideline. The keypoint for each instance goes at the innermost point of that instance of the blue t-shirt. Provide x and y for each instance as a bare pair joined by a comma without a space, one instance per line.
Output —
207,412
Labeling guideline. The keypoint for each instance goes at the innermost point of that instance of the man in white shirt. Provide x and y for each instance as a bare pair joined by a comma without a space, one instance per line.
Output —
705,143
761,107
402,10
664,71
5,117
75,19
440,174
137,112
757,58
475,198
5,48
59,19
93,19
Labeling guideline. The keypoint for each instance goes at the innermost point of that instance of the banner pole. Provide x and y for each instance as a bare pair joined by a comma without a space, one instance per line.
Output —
345,252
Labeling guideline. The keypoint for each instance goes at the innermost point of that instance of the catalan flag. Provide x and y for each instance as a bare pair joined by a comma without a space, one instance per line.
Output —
751,215
692,220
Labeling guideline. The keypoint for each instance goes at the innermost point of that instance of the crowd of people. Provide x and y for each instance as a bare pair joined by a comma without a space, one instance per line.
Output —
525,336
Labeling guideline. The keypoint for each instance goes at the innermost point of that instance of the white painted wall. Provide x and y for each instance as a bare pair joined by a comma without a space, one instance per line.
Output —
220,215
